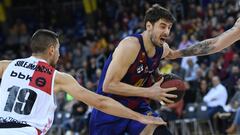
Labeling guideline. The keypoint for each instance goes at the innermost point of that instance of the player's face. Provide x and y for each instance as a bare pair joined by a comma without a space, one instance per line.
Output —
160,31
55,55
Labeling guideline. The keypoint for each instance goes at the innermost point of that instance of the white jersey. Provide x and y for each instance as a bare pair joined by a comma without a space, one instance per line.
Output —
26,93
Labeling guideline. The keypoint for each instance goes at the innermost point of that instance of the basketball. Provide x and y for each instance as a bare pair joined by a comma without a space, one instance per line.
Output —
172,80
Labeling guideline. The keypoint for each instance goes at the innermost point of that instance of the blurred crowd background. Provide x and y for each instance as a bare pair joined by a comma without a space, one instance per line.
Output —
90,30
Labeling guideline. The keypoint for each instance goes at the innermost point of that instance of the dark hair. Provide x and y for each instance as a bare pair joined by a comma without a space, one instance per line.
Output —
157,12
43,39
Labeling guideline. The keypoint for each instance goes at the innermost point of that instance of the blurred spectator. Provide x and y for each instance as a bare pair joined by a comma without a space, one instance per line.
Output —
178,70
185,42
228,56
234,103
216,97
235,60
202,90
166,67
191,70
77,123
231,81
178,9
184,63
60,99
190,93
204,68
235,124
78,111
219,69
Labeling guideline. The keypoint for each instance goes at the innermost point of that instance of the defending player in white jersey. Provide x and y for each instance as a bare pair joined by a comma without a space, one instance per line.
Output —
28,86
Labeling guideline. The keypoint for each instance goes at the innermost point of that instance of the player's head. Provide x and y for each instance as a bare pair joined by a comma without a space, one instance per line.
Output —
45,43
158,23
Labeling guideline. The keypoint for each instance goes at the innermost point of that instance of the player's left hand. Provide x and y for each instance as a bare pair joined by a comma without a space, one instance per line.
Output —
152,120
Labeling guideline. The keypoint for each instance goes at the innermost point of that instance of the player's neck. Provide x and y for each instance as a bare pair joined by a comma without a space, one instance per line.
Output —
148,45
40,56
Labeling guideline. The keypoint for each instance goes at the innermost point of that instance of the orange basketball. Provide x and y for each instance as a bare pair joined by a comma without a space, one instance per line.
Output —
172,80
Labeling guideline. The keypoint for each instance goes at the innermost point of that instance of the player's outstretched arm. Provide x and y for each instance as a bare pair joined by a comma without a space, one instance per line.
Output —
3,65
211,45
67,83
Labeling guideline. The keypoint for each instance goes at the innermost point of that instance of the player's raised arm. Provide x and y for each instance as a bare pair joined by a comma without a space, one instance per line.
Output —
67,83
3,65
124,55
211,45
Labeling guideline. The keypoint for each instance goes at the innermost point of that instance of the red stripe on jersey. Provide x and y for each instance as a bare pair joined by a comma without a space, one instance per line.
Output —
38,131
42,77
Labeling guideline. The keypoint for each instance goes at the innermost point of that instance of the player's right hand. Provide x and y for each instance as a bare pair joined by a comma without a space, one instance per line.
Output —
161,94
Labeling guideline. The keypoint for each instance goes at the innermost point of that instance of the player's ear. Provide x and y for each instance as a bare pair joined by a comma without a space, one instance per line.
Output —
51,50
149,25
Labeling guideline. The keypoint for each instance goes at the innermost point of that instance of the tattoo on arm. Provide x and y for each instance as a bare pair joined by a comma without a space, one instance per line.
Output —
200,48
206,47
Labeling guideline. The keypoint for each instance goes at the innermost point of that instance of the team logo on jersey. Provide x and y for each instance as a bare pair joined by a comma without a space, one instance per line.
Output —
148,71
140,68
41,80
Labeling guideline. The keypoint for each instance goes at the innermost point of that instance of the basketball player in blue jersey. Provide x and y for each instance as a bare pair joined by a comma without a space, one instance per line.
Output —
126,76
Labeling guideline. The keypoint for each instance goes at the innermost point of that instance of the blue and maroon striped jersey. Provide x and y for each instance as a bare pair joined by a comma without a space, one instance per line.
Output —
138,74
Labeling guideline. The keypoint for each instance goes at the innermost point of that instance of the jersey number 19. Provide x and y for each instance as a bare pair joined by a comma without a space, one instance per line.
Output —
21,100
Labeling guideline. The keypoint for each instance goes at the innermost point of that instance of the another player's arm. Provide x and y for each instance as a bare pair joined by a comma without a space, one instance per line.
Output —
211,45
124,55
3,66
67,83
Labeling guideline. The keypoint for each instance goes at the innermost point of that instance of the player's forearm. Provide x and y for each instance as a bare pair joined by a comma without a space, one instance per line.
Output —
113,107
212,45
103,103
123,89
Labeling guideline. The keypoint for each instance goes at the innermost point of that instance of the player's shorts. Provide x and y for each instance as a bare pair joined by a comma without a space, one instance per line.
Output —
104,124
28,130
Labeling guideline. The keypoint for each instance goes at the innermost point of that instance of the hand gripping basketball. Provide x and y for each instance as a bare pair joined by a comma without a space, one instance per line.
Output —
172,80
169,89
